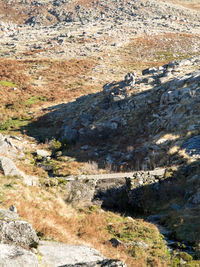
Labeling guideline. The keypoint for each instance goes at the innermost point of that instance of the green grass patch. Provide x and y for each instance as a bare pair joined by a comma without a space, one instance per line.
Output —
34,100
7,84
14,123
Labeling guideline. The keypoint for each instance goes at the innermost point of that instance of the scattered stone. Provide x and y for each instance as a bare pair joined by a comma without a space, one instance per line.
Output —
43,153
140,244
130,78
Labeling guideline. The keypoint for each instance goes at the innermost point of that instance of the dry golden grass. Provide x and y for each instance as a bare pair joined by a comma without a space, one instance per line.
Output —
155,50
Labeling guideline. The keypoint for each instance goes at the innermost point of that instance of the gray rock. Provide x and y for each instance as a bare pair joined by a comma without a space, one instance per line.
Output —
117,98
8,167
130,78
79,191
8,215
43,153
170,97
3,146
55,254
85,147
6,145
149,71
14,256
195,178
18,232
140,244
30,180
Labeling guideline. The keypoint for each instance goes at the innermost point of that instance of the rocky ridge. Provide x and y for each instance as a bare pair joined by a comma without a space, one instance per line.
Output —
101,26
166,98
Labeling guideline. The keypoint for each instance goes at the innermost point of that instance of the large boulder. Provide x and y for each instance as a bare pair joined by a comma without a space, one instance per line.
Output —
79,191
57,254
17,232
13,256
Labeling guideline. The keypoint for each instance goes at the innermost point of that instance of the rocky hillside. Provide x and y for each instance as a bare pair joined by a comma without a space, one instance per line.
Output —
151,123
99,115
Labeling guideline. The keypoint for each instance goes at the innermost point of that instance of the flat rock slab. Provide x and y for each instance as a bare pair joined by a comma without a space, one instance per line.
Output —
58,254
14,256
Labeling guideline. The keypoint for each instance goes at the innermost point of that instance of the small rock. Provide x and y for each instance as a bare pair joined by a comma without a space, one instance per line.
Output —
115,242
13,208
43,153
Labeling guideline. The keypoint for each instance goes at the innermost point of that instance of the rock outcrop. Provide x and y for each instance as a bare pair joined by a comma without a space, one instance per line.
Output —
19,233
11,255
164,101
58,254
14,231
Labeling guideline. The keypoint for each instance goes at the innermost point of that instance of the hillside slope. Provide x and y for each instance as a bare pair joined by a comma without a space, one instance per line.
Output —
69,108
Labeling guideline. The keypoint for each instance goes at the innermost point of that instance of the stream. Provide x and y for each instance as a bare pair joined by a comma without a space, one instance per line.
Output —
173,245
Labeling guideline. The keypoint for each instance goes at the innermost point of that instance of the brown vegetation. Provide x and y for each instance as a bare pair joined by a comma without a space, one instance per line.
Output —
156,50
25,84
